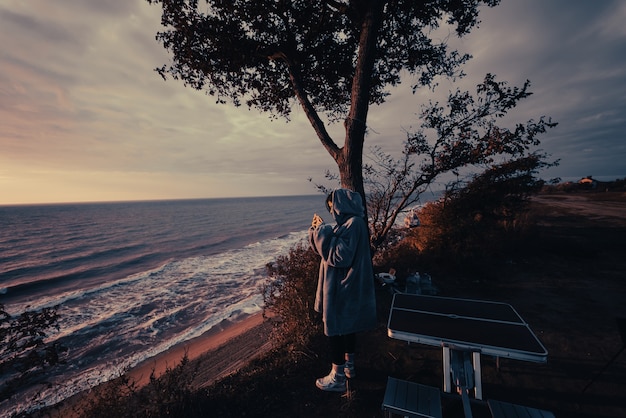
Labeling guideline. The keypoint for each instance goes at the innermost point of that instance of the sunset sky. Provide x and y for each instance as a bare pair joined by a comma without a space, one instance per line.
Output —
84,117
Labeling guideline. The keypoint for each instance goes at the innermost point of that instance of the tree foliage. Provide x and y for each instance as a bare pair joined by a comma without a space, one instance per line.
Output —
289,297
462,135
334,58
23,348
483,218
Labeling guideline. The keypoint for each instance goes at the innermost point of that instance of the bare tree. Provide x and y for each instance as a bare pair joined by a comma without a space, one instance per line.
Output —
462,135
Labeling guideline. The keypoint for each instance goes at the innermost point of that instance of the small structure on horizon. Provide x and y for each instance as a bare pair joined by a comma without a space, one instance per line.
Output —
589,182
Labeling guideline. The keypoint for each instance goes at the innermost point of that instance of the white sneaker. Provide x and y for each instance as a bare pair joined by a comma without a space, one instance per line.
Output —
334,382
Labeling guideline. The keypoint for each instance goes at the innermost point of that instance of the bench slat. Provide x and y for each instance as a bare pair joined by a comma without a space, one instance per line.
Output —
501,409
412,399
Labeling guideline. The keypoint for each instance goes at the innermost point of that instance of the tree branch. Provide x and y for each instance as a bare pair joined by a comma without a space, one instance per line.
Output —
340,7
365,64
309,110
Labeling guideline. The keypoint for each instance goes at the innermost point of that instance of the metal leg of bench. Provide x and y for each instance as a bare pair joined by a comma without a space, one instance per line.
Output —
476,375
447,375
478,381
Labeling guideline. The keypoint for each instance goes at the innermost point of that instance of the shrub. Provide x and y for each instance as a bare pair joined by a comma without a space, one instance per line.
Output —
483,220
114,398
289,297
170,395
24,351
399,253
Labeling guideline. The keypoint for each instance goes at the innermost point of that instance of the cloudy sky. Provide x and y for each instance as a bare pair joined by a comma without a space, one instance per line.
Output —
83,116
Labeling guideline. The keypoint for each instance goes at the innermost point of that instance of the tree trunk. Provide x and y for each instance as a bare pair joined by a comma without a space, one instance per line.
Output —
349,158
350,161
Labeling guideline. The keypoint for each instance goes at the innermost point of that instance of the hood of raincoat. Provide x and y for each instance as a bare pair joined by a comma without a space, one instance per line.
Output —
346,204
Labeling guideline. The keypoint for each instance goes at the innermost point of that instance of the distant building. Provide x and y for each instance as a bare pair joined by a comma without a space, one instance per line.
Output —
588,182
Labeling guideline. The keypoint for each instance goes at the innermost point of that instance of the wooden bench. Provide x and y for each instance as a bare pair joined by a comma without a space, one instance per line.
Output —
411,399
508,410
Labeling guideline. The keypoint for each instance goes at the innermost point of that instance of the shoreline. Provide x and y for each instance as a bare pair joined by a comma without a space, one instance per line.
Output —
211,340
218,352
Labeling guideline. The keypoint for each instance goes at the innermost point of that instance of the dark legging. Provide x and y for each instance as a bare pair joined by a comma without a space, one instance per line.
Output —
339,345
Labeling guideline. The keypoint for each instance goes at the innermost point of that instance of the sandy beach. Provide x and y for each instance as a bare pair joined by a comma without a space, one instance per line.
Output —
251,326
215,354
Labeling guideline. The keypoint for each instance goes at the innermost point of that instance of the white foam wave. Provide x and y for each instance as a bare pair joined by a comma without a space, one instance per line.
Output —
116,325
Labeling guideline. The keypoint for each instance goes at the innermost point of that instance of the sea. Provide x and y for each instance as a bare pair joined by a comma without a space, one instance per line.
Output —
129,280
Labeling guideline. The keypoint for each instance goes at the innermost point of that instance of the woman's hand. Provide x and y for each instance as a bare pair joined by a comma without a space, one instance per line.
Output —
317,220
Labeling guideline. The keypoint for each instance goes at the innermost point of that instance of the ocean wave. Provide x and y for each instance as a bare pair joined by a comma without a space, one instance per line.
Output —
118,324
173,282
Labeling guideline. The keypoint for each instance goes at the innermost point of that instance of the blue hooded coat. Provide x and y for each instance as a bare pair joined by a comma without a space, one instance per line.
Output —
345,288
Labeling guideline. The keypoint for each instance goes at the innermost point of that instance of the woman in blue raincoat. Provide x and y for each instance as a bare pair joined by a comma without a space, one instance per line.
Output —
345,289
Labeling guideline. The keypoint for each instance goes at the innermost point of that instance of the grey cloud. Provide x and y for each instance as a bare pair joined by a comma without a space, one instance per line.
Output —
21,25
107,8
98,56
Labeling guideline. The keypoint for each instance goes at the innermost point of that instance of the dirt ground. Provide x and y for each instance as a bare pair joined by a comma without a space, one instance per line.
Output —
570,289
571,292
